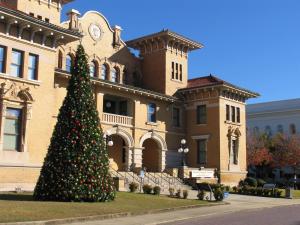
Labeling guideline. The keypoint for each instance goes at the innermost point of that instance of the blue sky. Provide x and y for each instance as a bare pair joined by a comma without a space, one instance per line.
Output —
252,43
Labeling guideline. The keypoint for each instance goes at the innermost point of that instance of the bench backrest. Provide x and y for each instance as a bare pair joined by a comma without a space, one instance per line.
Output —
269,186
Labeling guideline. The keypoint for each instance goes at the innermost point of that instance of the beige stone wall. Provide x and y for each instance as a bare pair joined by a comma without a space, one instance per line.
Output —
48,92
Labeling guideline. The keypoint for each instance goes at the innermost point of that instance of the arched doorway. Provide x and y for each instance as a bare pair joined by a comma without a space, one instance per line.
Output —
151,156
154,148
120,153
117,153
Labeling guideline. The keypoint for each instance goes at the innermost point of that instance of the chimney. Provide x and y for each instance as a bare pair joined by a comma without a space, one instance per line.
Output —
117,36
73,17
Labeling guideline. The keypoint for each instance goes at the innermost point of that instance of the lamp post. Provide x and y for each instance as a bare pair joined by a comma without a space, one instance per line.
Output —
183,150
108,140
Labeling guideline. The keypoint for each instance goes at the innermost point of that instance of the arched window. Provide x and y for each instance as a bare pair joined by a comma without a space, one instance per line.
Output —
69,63
104,72
115,75
60,59
268,131
280,129
293,129
93,69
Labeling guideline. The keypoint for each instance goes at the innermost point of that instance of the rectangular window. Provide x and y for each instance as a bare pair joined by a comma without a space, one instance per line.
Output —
176,117
176,71
201,114
173,71
227,112
201,152
32,67
12,129
238,115
2,59
152,113
16,64
233,114
180,72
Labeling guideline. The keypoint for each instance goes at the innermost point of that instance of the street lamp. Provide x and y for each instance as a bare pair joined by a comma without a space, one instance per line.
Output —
183,150
108,140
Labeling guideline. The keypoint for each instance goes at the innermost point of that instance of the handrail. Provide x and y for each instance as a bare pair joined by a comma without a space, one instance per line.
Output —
152,178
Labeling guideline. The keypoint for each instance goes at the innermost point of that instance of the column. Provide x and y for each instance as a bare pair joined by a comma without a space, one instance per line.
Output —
99,103
8,59
138,157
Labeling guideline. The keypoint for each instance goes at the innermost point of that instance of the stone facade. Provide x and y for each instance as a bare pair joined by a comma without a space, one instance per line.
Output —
146,104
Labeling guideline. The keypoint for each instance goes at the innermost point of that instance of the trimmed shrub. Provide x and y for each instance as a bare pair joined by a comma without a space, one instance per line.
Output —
235,189
252,182
171,191
201,195
260,182
185,194
147,189
277,193
133,186
156,190
218,194
178,193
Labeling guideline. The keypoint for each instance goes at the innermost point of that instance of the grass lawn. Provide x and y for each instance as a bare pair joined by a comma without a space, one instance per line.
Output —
20,207
295,193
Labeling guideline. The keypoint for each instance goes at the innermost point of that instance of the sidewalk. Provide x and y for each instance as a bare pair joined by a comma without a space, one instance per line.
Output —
237,203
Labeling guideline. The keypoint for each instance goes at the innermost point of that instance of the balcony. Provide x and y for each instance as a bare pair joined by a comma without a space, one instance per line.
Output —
117,119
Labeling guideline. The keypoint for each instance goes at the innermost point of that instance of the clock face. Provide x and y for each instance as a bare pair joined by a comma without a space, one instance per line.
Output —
95,32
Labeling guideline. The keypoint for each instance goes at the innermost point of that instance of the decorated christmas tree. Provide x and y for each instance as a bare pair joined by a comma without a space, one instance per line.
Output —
76,167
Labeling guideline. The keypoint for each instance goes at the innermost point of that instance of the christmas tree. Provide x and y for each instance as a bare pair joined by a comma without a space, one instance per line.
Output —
76,167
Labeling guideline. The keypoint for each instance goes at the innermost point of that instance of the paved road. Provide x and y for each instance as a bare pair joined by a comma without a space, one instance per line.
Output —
248,208
285,215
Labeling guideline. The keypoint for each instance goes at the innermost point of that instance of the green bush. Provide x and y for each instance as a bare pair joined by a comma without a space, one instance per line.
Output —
252,182
259,191
147,189
260,182
218,194
277,193
235,189
201,195
185,194
171,191
156,190
133,186
178,193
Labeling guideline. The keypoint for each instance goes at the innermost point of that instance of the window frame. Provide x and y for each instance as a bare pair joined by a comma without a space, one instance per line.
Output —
199,116
94,66
20,128
20,66
238,114
69,68
151,116
233,114
199,158
3,62
35,69
176,121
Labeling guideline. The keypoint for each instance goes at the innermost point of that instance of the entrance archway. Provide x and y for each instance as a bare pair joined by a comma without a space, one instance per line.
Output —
155,158
117,153
120,153
151,156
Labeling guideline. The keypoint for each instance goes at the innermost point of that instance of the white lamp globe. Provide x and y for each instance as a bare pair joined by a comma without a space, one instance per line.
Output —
186,150
110,143
183,141
180,150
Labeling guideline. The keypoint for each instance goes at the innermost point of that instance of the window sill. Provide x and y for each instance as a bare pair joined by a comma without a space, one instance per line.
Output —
152,123
232,123
178,81
23,80
201,124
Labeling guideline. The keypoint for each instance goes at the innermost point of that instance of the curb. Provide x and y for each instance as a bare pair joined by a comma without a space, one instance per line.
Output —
111,216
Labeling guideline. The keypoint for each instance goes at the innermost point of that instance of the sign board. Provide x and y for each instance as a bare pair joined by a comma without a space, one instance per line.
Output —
202,174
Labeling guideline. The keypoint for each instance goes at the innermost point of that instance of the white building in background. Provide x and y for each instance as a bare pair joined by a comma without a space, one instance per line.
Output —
274,117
